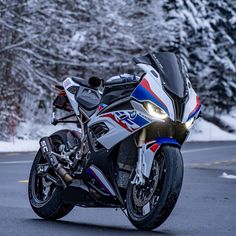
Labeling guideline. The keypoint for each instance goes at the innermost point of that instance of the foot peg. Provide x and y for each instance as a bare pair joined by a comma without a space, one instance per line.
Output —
47,150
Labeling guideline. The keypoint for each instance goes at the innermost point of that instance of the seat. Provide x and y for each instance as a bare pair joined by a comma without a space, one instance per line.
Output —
88,97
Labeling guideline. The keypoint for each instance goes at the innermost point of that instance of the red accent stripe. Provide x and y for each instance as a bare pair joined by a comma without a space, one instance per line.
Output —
110,115
154,147
197,105
146,85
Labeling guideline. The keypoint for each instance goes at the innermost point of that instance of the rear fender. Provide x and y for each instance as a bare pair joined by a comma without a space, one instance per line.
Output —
150,149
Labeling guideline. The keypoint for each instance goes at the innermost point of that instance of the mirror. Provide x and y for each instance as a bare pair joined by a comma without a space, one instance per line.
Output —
95,82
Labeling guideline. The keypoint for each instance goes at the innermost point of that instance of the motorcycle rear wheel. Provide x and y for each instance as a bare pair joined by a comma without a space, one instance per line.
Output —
44,197
164,193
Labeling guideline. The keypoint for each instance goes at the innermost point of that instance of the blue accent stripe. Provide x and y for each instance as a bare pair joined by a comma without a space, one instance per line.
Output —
194,113
163,140
141,94
91,172
140,121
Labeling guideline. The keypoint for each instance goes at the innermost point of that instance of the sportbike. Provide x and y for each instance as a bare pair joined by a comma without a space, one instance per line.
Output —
125,152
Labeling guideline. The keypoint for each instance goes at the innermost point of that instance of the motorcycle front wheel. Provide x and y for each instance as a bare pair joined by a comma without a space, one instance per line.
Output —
148,206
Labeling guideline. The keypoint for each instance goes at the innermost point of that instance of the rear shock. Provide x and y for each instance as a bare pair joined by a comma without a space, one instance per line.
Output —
47,151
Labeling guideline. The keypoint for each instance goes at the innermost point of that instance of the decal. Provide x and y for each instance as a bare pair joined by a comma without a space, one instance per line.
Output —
103,182
155,144
101,106
196,108
129,120
144,93
149,150
154,147
132,114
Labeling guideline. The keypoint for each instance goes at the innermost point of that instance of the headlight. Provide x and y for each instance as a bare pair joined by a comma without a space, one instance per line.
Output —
155,111
189,123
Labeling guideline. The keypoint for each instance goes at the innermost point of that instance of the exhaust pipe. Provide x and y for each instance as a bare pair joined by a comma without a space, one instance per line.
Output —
47,150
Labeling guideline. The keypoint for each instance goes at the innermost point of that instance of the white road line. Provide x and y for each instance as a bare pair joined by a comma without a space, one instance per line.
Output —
15,162
208,149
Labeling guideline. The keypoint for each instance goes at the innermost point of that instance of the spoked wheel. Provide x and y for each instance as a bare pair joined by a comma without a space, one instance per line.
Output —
44,190
45,182
148,206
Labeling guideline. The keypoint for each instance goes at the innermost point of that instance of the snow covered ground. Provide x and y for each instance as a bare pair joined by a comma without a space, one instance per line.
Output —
29,129
228,176
202,131
206,131
19,146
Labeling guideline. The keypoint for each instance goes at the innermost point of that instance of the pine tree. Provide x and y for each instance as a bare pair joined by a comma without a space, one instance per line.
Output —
203,32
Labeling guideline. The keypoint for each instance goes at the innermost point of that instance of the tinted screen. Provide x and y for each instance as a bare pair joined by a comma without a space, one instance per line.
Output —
169,67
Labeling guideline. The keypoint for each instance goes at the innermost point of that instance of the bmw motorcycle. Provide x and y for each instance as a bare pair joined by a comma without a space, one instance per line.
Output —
125,152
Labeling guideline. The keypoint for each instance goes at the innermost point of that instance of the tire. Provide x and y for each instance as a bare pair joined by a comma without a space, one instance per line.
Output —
52,208
171,186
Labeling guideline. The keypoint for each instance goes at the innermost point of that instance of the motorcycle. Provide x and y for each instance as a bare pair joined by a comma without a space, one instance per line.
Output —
126,150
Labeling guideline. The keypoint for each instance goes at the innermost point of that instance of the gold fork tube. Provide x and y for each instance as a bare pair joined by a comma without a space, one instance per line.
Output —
142,138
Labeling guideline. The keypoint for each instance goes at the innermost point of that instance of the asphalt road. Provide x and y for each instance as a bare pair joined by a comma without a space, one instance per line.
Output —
207,204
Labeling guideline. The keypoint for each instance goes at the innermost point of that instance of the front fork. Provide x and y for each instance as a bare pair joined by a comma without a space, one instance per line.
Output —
139,177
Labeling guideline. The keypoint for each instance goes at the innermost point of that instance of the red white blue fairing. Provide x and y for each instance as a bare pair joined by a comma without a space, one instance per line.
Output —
122,123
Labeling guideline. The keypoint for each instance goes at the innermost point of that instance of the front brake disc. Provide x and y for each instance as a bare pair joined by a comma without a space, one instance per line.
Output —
143,194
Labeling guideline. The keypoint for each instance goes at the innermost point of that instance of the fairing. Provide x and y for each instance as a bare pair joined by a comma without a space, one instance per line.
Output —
163,73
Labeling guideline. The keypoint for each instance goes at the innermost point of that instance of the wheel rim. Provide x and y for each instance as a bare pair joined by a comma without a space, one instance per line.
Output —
43,188
145,198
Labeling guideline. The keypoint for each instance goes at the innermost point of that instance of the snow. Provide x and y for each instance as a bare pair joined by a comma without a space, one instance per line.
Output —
230,119
227,176
206,131
19,146
36,131
22,143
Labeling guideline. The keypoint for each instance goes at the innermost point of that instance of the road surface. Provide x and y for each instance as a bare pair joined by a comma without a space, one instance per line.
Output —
207,204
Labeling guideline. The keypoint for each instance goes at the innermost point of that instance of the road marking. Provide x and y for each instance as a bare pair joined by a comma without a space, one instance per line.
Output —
212,164
24,181
15,162
2,154
11,154
207,149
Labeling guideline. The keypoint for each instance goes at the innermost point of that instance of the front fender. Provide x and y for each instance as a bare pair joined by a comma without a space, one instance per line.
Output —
150,149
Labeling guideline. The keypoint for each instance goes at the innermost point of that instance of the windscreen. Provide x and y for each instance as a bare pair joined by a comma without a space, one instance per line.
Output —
170,70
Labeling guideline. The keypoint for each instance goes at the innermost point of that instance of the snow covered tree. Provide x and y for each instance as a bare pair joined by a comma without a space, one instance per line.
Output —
11,76
44,41
221,81
203,32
